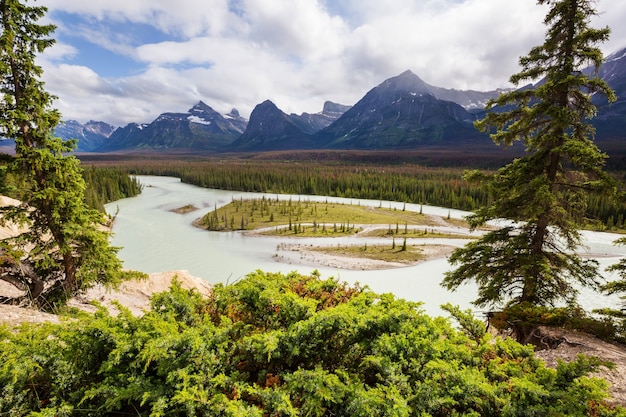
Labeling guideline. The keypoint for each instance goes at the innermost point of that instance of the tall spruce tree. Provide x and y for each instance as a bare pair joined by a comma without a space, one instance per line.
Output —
61,249
532,258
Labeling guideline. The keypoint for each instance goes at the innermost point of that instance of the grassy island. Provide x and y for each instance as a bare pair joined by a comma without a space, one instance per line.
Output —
307,218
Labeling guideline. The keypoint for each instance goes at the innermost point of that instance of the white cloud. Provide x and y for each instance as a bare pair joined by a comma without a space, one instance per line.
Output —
238,53
60,51
75,80
303,28
612,14
183,17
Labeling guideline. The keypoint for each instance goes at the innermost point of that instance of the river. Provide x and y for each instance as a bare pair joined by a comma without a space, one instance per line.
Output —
153,238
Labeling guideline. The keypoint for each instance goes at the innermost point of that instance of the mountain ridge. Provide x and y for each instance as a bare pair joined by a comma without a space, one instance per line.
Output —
402,112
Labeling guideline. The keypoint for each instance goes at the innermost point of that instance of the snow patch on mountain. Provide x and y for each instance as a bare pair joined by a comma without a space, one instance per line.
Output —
198,120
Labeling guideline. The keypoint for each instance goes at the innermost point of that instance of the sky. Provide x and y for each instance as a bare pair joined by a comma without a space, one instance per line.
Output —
123,61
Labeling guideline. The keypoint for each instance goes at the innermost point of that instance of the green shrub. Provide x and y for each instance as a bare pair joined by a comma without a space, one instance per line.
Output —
284,345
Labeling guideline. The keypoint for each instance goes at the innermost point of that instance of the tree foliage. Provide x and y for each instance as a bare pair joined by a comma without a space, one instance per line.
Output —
105,185
284,345
357,177
60,249
617,286
544,193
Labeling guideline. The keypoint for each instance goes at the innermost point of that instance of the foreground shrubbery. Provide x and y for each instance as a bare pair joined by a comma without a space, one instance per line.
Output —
284,345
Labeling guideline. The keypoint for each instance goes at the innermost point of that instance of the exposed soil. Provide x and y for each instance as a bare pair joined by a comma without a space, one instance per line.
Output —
134,295
574,344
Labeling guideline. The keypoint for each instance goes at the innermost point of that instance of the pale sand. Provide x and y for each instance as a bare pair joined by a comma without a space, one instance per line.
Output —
306,255
134,295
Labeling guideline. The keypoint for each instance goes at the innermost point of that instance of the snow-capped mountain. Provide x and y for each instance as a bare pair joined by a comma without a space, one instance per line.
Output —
201,128
402,112
90,136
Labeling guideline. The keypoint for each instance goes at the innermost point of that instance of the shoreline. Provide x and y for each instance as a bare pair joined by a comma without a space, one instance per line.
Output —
308,255
301,254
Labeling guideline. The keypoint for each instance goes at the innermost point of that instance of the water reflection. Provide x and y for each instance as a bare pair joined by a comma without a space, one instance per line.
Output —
154,239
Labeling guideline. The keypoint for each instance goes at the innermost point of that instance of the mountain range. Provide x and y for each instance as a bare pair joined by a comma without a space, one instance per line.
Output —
402,112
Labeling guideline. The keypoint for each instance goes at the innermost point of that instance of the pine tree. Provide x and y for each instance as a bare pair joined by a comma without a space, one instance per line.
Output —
532,260
64,250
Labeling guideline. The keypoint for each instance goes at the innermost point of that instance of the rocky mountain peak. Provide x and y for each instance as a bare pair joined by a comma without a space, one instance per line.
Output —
400,113
264,110
407,82
90,135
334,109
271,129
201,109
99,128
614,68
621,54
267,104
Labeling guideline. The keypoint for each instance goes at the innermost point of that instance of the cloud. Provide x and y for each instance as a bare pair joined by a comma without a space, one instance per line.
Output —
237,53
612,14
185,18
60,51
303,28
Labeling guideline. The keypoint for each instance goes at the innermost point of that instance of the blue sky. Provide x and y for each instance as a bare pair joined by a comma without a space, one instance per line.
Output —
124,61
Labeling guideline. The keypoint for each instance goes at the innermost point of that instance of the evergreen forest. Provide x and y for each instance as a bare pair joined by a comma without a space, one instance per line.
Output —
102,185
360,178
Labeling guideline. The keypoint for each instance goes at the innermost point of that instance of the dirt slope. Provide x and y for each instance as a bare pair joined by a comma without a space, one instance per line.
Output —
134,295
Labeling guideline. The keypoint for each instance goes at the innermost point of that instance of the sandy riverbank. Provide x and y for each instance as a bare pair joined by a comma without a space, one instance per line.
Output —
293,252
307,255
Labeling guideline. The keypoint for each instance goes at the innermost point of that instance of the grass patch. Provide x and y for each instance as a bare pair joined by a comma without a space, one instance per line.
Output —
414,233
302,217
314,230
399,252
185,209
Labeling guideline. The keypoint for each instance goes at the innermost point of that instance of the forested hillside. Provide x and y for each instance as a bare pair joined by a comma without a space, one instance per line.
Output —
105,185
354,176
102,185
